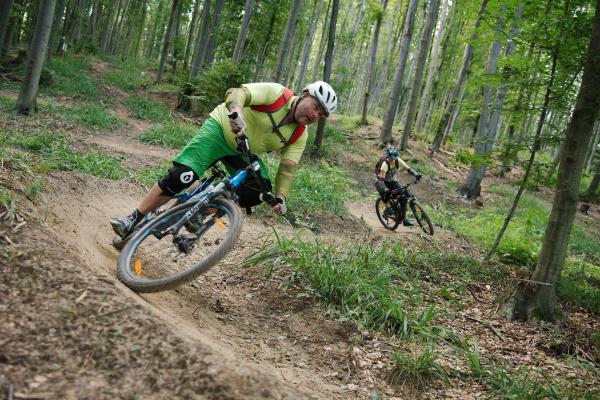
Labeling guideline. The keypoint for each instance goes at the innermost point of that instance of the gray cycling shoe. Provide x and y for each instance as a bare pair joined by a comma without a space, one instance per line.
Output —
123,226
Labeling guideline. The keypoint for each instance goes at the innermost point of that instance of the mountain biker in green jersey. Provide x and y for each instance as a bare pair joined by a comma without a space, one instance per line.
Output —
271,117
387,182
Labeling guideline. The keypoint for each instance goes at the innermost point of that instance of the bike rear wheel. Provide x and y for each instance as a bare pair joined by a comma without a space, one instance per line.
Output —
421,217
150,264
389,222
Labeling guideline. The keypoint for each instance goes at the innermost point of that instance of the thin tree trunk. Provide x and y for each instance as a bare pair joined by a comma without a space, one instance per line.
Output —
202,41
285,42
152,37
372,64
308,44
386,132
534,150
434,7
453,103
263,54
53,32
167,41
541,298
176,31
212,40
432,64
593,148
327,69
322,43
35,59
241,39
190,39
5,7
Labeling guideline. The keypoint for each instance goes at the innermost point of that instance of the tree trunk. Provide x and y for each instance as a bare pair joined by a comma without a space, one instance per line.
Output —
535,147
285,42
5,8
386,132
327,69
432,64
54,31
263,54
322,43
167,41
152,36
372,64
308,45
593,148
190,39
540,298
79,11
35,59
434,7
176,31
202,42
453,103
343,65
214,29
241,39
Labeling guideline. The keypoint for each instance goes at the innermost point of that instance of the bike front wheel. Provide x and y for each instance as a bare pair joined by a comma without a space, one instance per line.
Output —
153,260
389,221
421,217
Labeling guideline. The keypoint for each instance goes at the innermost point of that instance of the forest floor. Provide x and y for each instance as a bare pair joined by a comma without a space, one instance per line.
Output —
71,330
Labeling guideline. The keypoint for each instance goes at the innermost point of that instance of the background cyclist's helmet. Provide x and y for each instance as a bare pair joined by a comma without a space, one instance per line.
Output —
392,152
325,94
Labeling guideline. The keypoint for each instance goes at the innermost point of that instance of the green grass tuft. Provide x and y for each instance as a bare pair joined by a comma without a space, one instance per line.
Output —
170,134
71,77
419,371
144,108
56,152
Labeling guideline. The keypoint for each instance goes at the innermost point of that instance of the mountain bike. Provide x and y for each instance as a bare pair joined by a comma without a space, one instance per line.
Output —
393,205
181,243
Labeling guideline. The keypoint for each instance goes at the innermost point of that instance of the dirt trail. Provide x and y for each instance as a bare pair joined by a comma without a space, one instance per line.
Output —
246,318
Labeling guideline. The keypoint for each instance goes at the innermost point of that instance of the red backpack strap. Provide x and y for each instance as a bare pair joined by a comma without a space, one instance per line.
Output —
297,133
280,102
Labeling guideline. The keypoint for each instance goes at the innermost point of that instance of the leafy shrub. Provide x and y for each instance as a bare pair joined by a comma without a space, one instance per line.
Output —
210,86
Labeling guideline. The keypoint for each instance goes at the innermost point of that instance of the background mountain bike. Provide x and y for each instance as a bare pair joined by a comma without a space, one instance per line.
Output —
181,243
394,203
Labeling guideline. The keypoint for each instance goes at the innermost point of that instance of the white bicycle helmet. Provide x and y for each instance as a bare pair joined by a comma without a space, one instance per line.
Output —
323,92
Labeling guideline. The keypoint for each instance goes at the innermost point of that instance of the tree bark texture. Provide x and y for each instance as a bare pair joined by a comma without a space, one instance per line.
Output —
386,131
453,102
541,299
5,7
308,46
167,41
35,59
327,68
285,42
372,64
434,7
241,39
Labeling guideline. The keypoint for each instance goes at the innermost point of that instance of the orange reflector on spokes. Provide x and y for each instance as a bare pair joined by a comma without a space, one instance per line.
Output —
220,223
137,265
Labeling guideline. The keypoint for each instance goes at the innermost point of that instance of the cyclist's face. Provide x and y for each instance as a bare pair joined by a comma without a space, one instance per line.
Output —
309,110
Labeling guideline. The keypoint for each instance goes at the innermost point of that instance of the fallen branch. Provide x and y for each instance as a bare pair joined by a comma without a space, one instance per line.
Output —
487,325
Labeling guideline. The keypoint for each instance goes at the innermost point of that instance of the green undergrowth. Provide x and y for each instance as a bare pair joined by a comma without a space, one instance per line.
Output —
149,176
317,187
170,134
144,108
70,76
55,151
522,241
402,292
127,78
384,287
